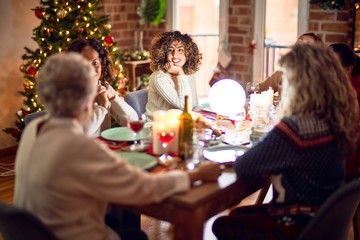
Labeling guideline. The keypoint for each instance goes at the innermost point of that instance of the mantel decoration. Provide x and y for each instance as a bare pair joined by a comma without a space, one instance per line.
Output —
61,23
329,4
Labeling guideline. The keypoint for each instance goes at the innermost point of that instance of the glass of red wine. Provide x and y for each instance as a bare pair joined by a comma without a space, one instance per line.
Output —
136,126
166,133
238,120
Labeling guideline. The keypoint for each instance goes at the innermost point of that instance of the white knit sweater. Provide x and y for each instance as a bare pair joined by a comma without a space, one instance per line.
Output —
163,95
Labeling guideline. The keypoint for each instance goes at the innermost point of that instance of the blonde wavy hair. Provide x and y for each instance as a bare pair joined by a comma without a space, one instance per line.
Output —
315,84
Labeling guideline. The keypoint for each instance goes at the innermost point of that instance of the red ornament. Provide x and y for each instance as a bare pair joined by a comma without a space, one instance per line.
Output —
15,132
109,40
24,113
31,71
252,47
39,13
80,30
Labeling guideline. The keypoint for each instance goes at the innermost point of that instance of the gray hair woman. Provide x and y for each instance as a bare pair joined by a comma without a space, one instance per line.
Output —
67,93
66,178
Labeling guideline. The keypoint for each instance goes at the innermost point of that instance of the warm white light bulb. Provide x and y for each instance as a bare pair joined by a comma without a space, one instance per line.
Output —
227,97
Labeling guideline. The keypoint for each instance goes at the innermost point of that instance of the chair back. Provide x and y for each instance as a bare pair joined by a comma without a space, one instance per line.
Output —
17,224
333,219
31,116
138,100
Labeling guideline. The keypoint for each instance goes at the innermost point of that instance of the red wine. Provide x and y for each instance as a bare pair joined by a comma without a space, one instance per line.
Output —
136,126
166,137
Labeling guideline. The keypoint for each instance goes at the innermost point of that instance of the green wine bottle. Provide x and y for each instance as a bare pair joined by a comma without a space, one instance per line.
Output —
186,128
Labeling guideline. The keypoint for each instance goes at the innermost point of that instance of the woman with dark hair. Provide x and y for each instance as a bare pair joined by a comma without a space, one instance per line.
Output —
350,62
274,80
107,101
175,57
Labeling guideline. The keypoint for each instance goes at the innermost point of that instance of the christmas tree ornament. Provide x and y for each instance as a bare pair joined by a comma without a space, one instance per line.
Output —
61,13
61,22
31,71
39,13
109,40
80,30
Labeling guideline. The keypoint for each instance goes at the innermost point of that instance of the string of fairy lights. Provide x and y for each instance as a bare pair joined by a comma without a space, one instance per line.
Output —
61,23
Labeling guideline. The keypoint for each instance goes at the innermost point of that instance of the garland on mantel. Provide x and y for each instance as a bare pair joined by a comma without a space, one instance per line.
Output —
329,4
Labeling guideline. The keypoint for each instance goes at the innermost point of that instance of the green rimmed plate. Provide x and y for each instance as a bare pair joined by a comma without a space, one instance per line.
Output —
224,154
125,134
136,159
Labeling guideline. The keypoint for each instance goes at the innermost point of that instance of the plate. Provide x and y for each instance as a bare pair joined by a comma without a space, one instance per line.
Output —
206,108
224,154
125,134
141,160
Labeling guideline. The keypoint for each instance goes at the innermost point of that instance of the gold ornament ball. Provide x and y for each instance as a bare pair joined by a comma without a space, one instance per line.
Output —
61,13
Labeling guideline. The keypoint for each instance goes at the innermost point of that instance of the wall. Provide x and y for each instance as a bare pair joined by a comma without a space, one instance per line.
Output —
18,21
241,19
332,25
16,24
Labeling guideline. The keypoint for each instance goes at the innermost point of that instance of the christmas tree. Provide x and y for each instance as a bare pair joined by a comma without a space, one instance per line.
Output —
63,21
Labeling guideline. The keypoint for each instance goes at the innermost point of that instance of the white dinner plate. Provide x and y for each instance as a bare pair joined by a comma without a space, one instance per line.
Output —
125,134
206,108
141,160
224,154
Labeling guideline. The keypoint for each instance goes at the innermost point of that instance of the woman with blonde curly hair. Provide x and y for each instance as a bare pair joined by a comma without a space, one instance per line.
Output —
304,154
175,57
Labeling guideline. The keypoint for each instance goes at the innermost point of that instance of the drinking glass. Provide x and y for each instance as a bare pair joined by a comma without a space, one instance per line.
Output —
136,127
238,121
165,132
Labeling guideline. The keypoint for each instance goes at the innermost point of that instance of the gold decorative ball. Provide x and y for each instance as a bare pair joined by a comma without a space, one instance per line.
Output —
61,13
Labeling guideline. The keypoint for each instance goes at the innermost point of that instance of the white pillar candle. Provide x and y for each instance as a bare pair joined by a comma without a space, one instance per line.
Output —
271,95
172,117
157,145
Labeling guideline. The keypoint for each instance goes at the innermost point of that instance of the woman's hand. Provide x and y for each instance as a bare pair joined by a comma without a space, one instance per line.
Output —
206,172
173,69
102,98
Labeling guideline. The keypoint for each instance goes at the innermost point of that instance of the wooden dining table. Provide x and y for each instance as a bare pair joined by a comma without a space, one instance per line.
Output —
189,211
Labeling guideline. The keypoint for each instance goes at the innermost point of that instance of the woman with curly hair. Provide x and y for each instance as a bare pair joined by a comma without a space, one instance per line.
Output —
175,57
304,154
107,101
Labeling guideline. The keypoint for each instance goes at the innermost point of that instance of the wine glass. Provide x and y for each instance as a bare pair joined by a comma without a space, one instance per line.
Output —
238,121
136,126
166,133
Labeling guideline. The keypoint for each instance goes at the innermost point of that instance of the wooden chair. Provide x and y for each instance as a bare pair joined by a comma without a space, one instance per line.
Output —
138,100
17,224
333,219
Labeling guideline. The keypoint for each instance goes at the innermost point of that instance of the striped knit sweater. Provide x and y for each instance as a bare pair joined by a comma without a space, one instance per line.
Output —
301,154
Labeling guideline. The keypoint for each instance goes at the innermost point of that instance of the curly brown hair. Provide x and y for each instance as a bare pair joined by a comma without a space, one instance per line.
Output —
107,72
160,45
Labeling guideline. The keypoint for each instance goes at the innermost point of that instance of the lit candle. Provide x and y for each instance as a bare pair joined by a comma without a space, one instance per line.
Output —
271,95
170,119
